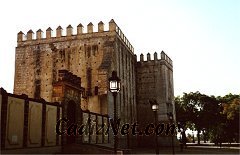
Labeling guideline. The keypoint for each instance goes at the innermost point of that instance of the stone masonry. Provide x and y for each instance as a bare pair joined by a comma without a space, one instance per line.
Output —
93,56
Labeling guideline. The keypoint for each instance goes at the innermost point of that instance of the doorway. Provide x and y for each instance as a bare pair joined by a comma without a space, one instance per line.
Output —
71,116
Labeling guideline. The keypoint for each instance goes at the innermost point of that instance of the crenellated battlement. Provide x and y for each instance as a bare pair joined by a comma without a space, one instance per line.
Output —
163,57
30,36
124,38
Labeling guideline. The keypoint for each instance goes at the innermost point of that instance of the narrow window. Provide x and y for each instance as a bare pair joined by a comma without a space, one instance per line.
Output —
37,89
96,90
89,79
89,51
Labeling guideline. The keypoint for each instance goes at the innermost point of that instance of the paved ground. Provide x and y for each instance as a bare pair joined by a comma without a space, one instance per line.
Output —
191,150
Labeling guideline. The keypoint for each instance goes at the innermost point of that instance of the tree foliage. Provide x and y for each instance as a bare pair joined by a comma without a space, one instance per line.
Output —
217,117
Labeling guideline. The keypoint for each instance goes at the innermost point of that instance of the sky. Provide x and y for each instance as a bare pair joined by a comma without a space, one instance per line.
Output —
202,37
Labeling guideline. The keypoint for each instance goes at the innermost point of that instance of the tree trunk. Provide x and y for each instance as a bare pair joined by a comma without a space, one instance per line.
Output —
198,136
193,140
204,136
184,139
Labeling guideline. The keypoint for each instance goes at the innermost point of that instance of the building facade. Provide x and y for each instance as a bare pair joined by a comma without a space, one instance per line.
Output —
93,56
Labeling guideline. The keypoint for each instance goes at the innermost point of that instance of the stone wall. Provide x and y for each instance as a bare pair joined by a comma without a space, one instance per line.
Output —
87,56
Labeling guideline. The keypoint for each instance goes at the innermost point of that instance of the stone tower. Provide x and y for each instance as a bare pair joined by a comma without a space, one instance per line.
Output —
93,56
154,81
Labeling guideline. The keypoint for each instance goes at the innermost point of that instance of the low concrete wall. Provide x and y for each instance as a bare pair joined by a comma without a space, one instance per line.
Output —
28,124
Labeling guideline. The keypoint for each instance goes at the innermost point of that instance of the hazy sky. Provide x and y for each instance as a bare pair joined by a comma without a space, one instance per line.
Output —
202,37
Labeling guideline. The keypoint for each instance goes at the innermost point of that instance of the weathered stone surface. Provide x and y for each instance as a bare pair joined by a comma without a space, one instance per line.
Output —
15,117
93,56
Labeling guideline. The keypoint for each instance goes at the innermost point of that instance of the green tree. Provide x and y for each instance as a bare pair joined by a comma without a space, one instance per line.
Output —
217,117
182,117
231,110
211,114
194,107
188,111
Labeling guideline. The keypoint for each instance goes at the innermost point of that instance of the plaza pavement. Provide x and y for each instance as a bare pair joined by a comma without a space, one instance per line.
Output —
190,150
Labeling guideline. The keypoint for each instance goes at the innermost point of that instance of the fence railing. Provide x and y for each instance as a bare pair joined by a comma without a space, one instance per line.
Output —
97,127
